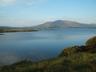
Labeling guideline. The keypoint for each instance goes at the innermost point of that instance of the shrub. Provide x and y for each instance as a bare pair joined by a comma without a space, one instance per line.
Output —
91,42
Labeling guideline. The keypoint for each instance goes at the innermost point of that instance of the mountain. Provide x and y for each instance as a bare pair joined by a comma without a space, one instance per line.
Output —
63,24
58,24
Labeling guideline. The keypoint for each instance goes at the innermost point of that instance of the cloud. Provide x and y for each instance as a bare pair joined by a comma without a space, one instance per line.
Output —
31,2
22,2
7,2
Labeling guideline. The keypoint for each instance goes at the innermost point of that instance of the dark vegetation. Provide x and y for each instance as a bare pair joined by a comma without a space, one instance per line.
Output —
16,30
72,59
1,34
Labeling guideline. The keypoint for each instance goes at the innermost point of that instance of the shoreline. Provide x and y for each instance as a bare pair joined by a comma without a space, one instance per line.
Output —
10,31
72,59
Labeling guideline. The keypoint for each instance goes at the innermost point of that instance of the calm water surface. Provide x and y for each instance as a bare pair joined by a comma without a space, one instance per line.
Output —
40,45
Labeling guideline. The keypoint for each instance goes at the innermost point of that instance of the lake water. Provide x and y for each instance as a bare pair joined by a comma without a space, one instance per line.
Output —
40,45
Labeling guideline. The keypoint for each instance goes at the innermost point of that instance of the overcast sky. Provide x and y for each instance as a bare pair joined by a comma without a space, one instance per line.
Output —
34,12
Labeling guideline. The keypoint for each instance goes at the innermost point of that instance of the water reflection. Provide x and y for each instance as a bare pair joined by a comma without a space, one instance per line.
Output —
40,45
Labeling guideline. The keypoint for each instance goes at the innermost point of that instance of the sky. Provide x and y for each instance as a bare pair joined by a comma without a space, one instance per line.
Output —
34,12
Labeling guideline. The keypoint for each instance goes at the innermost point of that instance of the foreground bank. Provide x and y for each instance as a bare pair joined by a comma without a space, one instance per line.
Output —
72,59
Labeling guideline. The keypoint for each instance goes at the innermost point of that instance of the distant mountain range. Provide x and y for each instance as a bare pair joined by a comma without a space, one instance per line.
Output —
58,24
63,24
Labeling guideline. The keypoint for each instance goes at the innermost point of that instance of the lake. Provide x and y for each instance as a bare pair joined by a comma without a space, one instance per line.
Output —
40,45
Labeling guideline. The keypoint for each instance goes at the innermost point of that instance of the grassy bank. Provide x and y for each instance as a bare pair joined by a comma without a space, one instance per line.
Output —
72,59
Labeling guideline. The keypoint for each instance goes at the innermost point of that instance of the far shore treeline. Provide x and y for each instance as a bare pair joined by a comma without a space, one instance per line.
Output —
16,30
58,24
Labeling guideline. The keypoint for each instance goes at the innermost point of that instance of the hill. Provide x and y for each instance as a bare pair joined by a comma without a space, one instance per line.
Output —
16,29
72,59
58,24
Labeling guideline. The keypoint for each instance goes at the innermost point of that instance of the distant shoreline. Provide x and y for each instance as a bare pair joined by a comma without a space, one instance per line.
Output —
6,31
1,34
